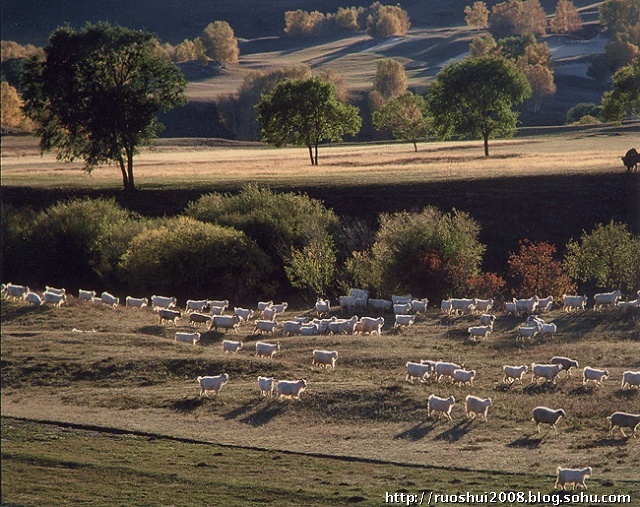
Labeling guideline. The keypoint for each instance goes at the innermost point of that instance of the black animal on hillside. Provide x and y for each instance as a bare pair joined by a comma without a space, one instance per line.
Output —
631,159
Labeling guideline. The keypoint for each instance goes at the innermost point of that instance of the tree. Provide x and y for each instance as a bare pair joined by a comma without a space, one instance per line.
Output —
535,270
477,15
306,113
406,118
517,17
566,18
11,111
96,94
387,21
533,20
624,97
391,79
303,24
582,109
347,19
220,43
619,53
616,15
313,266
484,45
475,96
608,256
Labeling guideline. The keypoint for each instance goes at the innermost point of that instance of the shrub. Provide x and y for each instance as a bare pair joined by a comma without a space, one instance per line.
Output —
534,270
477,16
580,110
347,19
277,222
220,43
488,285
187,257
303,24
312,267
430,252
387,21
608,256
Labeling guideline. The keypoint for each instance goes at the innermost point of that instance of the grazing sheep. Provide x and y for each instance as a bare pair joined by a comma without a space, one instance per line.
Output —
487,319
341,326
13,291
199,318
527,332
109,299
219,302
404,321
547,329
323,307
476,332
446,306
197,305
379,305
163,302
270,313
325,358
225,322
291,327
212,384
463,306
441,405
528,305
399,300
443,369
87,295
131,302
56,299
291,388
266,385
34,299
477,406
53,290
280,307
461,376
417,370
510,308
573,476
218,309
419,305
544,305
165,314
630,379
231,346
188,337
624,420
566,363
244,313
594,374
513,373
484,305
264,349
312,329
265,326
570,303
402,308
369,325
549,372
544,415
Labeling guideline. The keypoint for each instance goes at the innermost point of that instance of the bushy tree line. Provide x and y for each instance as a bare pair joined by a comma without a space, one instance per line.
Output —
378,20
259,243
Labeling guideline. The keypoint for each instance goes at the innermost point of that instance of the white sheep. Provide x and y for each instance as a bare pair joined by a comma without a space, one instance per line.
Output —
444,369
291,388
544,415
54,290
606,299
402,308
527,305
231,346
548,329
441,405
398,300
244,313
630,379
187,337
322,307
545,305
225,322
461,376
218,309
369,325
212,384
219,302
87,295
463,306
163,302
549,372
264,349
476,332
510,308
270,313
54,298
13,291
379,305
573,476
341,326
34,299
446,306
570,303
419,305
417,370
566,363
312,329
513,373
484,305
527,332
291,327
131,302
486,319
404,321
594,374
264,326
280,307
624,420
109,299
266,385
197,305
477,406
325,358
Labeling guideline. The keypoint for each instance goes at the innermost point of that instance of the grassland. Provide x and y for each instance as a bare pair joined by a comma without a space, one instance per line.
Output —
93,397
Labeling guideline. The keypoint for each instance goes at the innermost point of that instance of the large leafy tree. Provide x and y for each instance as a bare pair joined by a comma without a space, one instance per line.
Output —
624,97
305,113
474,97
406,118
96,93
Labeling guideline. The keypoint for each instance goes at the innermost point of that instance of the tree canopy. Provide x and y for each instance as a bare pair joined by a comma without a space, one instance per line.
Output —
305,113
474,97
96,93
406,118
624,97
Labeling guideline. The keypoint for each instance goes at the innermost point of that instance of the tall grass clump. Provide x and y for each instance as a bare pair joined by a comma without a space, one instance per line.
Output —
186,257
278,222
429,253
72,243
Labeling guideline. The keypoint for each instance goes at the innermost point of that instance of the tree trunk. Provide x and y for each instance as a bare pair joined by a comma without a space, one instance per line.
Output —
415,147
132,185
316,155
311,153
125,178
485,136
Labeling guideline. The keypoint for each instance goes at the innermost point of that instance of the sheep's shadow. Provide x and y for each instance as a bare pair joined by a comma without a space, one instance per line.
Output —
188,405
264,415
418,432
152,330
534,389
582,390
454,434
528,441
626,394
234,414
610,441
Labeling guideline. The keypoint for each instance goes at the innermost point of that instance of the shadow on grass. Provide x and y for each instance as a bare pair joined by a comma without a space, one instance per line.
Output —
582,390
456,433
265,414
627,394
418,432
234,414
188,405
152,330
531,441
546,387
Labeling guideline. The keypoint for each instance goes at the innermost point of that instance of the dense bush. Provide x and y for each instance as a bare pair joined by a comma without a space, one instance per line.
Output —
430,253
387,21
580,110
277,222
189,258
